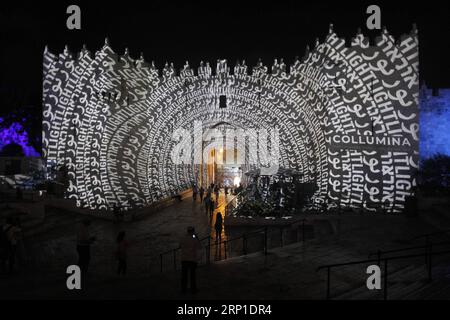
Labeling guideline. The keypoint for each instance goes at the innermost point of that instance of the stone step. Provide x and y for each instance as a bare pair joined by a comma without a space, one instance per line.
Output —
360,291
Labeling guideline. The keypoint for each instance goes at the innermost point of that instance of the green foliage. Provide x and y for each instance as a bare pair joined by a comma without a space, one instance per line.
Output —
255,208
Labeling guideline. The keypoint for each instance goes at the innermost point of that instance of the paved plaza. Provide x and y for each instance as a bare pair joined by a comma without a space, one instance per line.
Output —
284,273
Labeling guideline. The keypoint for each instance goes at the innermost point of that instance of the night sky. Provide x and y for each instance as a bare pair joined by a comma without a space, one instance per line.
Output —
198,31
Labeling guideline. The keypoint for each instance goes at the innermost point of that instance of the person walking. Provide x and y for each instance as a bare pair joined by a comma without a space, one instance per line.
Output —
218,226
202,193
209,191
212,206
84,241
121,253
194,193
190,248
207,203
216,192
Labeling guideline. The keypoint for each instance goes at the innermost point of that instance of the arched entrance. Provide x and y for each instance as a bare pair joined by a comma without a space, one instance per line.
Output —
346,117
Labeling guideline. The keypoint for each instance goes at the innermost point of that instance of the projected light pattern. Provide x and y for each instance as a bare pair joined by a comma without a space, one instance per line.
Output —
15,133
347,118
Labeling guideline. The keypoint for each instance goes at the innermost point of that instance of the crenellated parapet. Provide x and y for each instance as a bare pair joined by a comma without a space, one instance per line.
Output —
347,115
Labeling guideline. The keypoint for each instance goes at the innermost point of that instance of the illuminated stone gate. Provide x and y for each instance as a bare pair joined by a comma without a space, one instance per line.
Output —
347,117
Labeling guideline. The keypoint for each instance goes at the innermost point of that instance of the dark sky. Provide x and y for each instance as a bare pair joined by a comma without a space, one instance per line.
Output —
197,31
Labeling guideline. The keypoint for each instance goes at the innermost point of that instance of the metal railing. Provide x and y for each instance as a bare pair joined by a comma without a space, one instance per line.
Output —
244,238
174,253
232,204
253,234
428,254
427,244
427,236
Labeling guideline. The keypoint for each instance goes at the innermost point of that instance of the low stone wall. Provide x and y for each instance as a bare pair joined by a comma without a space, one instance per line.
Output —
131,215
238,221
143,212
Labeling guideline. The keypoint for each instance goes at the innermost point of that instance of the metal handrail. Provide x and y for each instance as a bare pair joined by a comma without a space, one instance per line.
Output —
178,248
428,235
229,202
174,252
247,235
428,254
244,236
381,252
263,228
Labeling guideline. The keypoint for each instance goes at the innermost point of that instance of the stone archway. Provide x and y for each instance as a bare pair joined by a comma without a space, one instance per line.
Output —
347,119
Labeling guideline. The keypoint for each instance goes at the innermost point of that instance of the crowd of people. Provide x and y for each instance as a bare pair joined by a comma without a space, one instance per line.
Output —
85,240
190,244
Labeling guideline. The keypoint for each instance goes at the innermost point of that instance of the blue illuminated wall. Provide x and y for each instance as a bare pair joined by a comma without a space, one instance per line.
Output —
434,123
15,133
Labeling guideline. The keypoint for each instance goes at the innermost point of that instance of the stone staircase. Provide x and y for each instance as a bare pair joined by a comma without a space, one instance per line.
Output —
405,283
285,273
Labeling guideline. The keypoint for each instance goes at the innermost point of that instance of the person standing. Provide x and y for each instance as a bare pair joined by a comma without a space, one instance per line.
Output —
190,248
84,241
218,226
121,253
12,234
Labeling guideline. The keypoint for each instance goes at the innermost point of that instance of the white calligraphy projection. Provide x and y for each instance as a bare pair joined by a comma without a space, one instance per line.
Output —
346,115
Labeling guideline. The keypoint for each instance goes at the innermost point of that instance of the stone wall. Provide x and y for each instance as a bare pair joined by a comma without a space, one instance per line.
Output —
347,115
434,122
